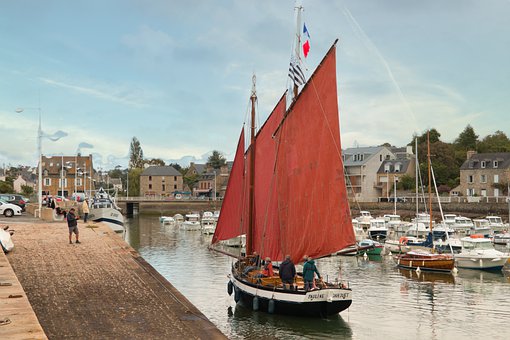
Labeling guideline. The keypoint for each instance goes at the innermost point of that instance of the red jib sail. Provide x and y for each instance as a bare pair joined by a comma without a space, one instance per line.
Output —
313,209
230,223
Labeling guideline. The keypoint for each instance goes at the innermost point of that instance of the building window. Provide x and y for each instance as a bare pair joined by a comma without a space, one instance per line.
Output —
387,167
163,179
175,186
47,182
496,163
496,192
380,158
163,187
78,182
470,178
496,178
150,186
62,181
175,178
45,172
482,164
484,193
397,167
150,178
470,192
483,178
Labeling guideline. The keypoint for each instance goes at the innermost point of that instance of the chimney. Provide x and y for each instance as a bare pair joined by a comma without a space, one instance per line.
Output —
470,154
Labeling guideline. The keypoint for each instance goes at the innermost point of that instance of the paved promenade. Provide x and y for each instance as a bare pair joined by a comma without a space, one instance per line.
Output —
99,289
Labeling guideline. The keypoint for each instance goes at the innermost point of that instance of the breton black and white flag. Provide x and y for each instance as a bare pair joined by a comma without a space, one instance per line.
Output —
295,73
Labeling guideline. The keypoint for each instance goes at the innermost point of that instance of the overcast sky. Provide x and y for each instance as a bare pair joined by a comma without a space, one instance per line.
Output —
177,74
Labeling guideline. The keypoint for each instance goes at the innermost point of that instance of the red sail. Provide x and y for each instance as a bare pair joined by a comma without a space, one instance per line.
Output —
313,209
266,233
230,222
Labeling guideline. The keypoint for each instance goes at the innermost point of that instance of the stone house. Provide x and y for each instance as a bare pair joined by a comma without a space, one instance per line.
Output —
64,175
484,174
361,167
160,181
390,171
116,183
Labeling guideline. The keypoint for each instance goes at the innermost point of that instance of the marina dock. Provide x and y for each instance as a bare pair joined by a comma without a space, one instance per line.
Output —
101,288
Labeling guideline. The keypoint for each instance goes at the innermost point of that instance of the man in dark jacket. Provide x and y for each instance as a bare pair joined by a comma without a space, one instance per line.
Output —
72,223
287,273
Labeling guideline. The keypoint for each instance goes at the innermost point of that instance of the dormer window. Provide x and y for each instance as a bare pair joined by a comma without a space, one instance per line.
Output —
387,167
397,167
483,164
495,164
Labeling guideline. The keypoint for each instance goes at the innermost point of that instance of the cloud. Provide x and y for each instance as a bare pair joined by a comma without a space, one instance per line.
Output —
122,95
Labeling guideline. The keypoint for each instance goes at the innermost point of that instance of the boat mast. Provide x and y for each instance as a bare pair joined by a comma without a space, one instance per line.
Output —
297,43
251,215
416,164
430,181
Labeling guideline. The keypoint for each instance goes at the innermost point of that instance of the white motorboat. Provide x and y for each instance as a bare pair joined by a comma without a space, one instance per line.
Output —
216,215
103,209
378,229
417,229
478,253
365,216
462,225
178,218
239,241
394,223
6,243
480,227
191,222
208,223
439,231
359,233
167,220
496,224
502,238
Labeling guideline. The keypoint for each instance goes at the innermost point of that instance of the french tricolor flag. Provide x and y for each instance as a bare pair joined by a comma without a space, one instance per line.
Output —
306,39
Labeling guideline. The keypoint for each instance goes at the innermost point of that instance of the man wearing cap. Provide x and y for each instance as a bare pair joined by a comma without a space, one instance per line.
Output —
72,223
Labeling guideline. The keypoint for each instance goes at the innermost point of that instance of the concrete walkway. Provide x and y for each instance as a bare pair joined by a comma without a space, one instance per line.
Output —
100,289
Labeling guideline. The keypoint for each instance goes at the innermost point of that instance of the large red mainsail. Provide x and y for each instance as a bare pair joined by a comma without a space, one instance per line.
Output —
313,210
300,197
230,222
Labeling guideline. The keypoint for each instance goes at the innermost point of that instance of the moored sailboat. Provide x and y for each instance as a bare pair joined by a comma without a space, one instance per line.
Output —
291,174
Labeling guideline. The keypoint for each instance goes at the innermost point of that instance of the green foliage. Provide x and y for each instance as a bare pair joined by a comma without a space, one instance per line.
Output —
406,182
6,187
135,154
216,160
27,190
433,136
134,181
177,167
467,140
191,181
116,173
497,142
155,161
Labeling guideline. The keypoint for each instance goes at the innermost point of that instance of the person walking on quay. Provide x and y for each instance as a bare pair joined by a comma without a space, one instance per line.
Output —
309,270
72,224
85,209
287,273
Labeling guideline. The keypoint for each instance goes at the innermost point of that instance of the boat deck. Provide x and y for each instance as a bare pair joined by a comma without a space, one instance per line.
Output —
100,289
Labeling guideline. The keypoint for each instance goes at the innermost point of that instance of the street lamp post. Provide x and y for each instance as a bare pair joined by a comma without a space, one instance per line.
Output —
395,180
39,151
214,199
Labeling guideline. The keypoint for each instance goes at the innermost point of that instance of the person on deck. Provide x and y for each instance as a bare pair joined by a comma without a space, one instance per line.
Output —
72,224
254,259
287,273
268,268
309,270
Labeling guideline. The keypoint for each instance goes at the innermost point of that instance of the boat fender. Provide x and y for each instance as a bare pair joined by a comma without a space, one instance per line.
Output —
237,294
330,296
256,303
403,240
230,287
270,306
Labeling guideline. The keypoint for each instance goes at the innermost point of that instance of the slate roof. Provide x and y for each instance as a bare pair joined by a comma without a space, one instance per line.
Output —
475,162
404,165
367,152
166,170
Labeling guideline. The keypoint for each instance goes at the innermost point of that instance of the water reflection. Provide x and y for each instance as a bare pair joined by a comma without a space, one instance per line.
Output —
386,299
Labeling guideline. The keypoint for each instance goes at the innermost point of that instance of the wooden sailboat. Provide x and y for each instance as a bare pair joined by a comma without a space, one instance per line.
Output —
287,193
429,261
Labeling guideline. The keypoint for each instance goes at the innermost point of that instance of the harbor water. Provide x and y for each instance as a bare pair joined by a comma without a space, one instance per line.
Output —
388,302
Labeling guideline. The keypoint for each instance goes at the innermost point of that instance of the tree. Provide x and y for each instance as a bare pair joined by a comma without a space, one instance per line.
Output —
134,181
176,166
467,139
433,136
406,182
155,161
216,160
27,190
191,181
6,187
135,154
497,142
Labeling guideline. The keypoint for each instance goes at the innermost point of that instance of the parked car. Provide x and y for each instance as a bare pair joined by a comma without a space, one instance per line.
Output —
9,209
14,199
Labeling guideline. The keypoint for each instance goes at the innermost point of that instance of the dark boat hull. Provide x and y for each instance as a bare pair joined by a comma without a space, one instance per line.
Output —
318,303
